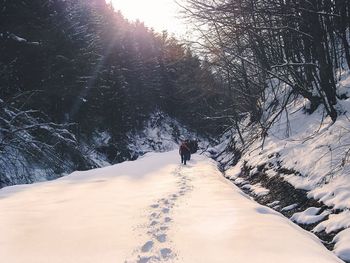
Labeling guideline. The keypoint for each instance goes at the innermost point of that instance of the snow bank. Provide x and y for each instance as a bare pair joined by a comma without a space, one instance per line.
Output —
341,247
309,216
313,153
334,222
289,207
316,149
149,210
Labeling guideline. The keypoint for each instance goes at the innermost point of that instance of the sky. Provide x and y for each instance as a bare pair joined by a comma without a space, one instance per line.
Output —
157,14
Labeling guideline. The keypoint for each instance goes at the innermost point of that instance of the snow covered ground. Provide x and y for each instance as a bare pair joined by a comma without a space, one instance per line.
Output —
314,154
149,210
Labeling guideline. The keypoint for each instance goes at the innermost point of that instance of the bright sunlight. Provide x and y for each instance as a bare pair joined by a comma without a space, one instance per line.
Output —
157,14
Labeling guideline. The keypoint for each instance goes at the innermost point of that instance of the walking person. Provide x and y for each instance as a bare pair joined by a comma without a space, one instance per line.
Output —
184,152
188,154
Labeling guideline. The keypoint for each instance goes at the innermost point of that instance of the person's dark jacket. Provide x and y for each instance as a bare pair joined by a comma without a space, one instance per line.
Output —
184,149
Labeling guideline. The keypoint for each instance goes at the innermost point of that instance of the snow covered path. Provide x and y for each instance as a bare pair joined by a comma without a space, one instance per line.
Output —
149,210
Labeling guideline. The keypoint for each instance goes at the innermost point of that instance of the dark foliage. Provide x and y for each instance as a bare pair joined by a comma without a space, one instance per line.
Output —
90,66
82,65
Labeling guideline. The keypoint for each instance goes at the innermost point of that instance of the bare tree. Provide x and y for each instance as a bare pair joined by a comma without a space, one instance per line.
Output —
270,52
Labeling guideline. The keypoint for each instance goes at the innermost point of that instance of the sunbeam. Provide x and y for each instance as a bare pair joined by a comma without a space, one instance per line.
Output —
158,14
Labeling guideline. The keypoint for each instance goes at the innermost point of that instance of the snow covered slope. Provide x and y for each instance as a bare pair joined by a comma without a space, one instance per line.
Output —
311,153
149,210
160,133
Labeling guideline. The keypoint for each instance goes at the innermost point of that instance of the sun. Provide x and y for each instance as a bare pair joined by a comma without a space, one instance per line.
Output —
157,14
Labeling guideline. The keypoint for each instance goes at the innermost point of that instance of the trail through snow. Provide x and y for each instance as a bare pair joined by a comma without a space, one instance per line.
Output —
149,210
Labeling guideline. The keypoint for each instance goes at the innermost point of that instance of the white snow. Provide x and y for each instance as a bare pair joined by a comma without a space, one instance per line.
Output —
341,247
334,222
240,181
315,150
289,207
149,210
256,189
274,203
17,38
160,134
234,172
313,146
309,216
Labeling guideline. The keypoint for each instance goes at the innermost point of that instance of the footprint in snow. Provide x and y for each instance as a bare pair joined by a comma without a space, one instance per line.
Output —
145,259
182,192
155,215
165,210
167,219
166,253
161,238
166,201
153,223
147,246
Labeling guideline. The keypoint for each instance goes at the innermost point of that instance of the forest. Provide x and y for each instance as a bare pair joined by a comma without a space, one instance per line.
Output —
271,53
258,93
72,69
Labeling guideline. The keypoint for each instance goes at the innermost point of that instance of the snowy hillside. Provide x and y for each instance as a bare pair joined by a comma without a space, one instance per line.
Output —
148,210
311,153
159,133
